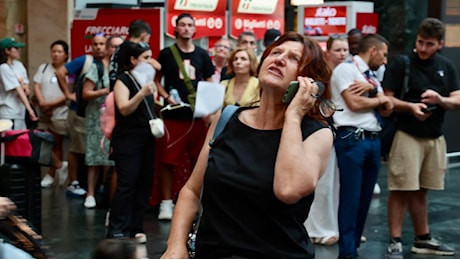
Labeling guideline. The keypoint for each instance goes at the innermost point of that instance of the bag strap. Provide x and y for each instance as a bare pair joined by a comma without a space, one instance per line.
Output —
152,115
187,81
405,88
227,113
4,139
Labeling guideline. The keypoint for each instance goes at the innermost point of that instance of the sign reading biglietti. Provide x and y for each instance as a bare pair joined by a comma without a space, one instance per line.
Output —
210,19
256,16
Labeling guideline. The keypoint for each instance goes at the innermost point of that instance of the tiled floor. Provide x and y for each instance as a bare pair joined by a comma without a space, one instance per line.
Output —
72,231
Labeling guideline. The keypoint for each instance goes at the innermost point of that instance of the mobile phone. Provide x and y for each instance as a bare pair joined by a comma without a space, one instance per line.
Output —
429,109
290,92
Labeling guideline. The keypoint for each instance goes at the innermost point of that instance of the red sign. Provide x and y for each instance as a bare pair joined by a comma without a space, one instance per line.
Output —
112,22
256,16
368,23
325,20
209,15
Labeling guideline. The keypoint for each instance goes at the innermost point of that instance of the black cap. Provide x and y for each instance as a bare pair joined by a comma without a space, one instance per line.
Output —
270,36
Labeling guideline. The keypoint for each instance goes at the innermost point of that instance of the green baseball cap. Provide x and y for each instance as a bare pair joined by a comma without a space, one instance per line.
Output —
9,42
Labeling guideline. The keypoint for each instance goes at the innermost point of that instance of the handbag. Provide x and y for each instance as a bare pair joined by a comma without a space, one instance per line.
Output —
227,113
182,111
156,124
29,146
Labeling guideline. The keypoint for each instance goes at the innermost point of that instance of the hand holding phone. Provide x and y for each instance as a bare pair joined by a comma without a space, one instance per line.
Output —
290,92
294,87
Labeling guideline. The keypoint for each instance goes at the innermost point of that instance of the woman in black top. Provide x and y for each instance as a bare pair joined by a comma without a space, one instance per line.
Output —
133,147
260,173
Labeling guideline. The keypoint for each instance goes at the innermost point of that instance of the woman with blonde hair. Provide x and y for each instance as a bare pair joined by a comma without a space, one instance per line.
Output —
242,89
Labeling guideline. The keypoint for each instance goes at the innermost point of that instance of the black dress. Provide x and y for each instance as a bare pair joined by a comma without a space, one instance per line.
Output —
241,215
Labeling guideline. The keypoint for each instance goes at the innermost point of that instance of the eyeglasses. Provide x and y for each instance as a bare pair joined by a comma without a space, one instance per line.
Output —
326,107
223,46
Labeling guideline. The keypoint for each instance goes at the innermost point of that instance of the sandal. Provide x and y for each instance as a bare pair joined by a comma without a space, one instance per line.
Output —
327,241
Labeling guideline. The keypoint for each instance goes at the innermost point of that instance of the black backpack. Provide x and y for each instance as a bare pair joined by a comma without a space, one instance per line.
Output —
78,85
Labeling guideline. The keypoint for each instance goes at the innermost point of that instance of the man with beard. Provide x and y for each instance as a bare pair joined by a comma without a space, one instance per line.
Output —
417,159
185,134
355,88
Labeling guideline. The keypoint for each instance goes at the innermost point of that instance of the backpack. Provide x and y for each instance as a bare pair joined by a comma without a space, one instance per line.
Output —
78,85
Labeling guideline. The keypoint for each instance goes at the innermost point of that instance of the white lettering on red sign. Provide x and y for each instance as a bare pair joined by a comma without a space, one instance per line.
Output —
315,21
337,21
325,11
322,21
108,30
369,29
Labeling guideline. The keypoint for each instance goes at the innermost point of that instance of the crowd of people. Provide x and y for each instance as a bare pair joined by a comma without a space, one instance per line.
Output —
280,176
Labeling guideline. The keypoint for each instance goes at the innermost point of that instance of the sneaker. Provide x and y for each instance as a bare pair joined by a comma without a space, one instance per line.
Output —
166,210
394,250
90,202
62,173
140,238
377,189
107,218
431,247
74,190
47,181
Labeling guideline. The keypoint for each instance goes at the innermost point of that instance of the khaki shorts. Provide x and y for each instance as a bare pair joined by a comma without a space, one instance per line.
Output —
416,163
58,126
77,133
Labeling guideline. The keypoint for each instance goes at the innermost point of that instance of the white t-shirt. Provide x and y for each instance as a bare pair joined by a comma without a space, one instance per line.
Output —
11,106
342,77
50,89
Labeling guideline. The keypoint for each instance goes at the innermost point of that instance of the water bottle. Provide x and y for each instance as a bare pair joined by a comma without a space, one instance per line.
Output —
175,95
102,109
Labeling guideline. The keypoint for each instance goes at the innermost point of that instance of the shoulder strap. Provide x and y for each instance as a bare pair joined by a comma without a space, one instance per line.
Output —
227,113
405,88
177,57
88,62
100,70
44,68
152,115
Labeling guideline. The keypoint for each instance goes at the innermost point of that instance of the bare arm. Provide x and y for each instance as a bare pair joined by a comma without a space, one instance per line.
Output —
300,163
448,103
155,64
25,101
188,203
409,107
61,74
89,92
125,105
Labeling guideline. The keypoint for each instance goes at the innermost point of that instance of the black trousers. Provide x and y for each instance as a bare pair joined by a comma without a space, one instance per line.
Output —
134,155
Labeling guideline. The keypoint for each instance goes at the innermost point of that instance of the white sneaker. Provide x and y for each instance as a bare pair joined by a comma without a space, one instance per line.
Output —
47,181
63,173
166,210
141,238
90,202
377,189
74,190
107,218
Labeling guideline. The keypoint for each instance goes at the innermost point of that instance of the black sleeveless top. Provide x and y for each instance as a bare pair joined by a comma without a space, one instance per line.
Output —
241,215
139,119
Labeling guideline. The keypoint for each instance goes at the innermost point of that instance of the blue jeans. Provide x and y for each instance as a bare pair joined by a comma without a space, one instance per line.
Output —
359,162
